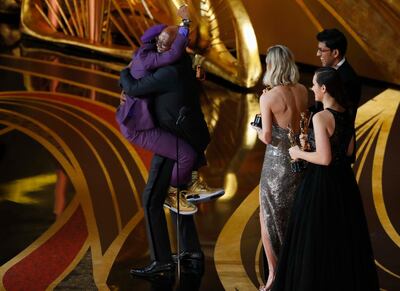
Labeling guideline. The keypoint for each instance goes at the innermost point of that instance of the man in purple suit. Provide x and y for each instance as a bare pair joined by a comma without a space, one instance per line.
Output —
163,46
135,115
172,88
174,92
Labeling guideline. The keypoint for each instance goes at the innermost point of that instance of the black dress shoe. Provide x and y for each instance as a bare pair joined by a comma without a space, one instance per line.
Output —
184,255
190,259
154,269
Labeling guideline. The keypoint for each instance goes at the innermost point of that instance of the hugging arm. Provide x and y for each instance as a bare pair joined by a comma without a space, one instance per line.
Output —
154,83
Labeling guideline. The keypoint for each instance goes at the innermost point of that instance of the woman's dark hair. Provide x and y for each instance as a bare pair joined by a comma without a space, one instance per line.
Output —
329,77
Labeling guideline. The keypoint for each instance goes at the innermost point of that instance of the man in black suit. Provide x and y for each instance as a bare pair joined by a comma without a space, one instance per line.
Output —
332,46
175,92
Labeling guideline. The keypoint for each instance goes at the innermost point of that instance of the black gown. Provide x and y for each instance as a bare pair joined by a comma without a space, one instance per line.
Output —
327,244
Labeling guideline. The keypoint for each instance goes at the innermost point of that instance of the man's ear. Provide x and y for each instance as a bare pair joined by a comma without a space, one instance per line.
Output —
335,53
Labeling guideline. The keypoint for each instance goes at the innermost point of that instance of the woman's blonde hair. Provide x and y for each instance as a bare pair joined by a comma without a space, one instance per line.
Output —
280,67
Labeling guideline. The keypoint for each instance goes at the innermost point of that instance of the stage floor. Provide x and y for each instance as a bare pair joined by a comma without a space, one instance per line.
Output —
70,184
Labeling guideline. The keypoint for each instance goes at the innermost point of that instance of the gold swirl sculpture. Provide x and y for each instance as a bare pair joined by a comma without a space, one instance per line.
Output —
222,36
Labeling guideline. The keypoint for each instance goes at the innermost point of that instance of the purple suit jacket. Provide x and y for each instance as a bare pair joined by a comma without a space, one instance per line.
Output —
135,112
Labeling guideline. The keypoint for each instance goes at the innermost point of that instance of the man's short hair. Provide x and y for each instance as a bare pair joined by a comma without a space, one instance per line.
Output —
333,39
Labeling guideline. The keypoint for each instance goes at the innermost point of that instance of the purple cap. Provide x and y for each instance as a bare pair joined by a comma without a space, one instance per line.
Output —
152,32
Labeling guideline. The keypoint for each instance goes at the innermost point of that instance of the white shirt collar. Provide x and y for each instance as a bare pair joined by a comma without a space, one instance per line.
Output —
340,63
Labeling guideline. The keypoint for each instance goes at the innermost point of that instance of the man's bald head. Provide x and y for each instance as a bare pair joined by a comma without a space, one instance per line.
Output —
166,38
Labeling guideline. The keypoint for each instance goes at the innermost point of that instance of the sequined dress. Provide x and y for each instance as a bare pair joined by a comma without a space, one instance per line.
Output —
277,186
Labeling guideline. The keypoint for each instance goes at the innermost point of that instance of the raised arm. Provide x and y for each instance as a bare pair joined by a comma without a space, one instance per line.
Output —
156,60
154,83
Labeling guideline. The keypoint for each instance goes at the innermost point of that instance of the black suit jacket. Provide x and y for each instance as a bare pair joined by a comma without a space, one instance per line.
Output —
173,87
351,85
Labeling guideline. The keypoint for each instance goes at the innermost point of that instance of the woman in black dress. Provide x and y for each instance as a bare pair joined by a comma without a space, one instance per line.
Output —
327,245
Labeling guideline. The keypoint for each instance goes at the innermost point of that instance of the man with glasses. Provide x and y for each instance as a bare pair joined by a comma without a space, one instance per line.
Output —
332,46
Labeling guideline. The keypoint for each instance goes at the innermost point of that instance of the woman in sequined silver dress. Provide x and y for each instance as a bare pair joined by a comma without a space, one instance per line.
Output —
280,106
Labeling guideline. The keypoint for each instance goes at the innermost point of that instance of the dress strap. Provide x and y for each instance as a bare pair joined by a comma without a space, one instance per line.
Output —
335,112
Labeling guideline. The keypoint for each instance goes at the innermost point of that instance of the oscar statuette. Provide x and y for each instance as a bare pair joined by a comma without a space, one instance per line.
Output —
304,122
296,165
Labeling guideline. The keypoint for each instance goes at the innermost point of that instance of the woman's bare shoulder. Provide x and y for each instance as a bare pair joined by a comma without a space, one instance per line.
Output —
300,88
322,115
270,95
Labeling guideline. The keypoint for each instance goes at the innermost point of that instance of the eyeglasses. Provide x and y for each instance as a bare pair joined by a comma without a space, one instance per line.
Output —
320,50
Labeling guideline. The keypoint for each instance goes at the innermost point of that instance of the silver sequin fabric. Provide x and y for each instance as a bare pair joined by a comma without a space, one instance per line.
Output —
277,187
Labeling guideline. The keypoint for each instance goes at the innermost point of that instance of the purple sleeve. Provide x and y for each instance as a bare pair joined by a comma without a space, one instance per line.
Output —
155,60
183,30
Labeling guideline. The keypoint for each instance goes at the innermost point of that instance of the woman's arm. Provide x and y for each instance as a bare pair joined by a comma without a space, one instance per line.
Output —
265,133
322,154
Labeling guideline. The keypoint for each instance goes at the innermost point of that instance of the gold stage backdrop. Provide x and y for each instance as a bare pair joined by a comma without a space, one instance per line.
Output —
222,37
228,35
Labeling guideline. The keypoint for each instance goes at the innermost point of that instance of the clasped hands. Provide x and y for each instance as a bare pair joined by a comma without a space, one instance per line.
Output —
295,151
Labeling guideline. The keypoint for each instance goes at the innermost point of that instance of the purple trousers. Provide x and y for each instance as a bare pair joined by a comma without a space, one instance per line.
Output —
163,143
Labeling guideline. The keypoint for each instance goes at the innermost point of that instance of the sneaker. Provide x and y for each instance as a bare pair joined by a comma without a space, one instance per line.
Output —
200,192
185,207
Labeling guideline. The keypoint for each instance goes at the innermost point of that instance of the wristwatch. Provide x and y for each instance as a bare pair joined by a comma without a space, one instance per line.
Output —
186,22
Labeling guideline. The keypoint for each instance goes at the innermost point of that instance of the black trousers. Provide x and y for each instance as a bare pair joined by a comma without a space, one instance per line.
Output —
192,128
153,199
